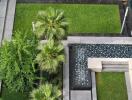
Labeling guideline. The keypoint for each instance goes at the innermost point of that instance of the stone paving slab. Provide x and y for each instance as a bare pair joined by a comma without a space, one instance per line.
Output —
80,95
3,5
9,20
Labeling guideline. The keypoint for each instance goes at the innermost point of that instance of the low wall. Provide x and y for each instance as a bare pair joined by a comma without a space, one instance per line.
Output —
72,1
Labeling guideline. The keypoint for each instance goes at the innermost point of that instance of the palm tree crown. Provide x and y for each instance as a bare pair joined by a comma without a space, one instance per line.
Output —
50,57
46,92
51,23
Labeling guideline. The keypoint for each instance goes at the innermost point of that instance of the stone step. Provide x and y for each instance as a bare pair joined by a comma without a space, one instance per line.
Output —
9,20
80,95
115,68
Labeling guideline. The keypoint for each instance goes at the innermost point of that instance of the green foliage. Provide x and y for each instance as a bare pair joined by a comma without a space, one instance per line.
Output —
46,92
51,56
17,61
51,23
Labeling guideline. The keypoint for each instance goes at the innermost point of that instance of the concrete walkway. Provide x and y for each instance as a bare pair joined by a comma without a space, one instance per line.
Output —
7,12
7,34
3,8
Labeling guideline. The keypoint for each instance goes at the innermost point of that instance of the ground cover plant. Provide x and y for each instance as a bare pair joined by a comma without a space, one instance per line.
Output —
111,86
17,62
83,18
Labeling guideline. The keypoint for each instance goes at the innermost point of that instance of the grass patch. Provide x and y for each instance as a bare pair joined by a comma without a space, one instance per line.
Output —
83,18
111,86
7,95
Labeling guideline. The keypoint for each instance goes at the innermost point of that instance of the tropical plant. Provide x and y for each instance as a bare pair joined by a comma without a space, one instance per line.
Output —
51,23
51,56
17,61
46,92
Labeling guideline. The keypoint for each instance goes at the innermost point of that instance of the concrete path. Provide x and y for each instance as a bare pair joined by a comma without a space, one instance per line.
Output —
3,8
7,12
9,20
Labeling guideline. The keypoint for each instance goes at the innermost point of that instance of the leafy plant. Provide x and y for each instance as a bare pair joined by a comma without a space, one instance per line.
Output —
51,56
51,23
46,92
17,61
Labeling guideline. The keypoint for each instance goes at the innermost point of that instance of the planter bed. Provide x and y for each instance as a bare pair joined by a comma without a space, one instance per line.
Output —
84,18
111,86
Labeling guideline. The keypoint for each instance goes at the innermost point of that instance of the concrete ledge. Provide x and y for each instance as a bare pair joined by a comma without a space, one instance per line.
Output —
94,91
128,84
66,74
80,95
97,64
100,40
130,76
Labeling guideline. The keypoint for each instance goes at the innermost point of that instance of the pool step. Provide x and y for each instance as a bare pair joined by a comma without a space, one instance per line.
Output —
115,67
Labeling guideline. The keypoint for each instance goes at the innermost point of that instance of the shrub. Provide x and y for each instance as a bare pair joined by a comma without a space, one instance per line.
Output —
46,92
52,24
17,61
51,56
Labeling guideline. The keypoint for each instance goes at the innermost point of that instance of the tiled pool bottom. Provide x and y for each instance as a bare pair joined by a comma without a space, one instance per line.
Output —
78,54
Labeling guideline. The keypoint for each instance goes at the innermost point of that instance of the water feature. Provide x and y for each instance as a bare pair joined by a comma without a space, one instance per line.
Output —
80,76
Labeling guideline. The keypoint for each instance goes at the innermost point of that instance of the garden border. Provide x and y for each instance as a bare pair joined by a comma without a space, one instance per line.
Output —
71,1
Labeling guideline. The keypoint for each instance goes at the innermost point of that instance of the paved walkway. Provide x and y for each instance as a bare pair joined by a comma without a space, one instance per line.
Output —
9,20
3,8
7,12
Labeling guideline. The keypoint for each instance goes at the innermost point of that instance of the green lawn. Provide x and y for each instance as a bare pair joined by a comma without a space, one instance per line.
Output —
111,86
83,18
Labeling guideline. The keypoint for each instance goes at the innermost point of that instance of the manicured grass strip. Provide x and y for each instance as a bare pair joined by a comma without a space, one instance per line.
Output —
83,18
111,86
8,95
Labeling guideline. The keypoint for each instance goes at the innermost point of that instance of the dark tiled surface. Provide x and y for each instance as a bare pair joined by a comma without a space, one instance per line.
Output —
80,76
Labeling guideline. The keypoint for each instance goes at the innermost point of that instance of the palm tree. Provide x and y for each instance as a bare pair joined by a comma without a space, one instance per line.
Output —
51,56
51,23
46,92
